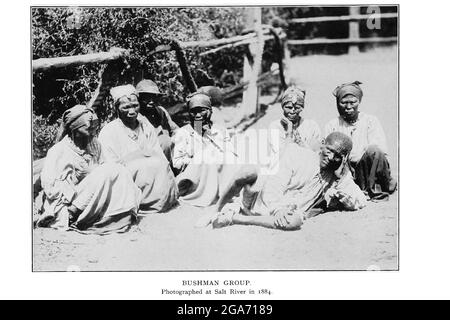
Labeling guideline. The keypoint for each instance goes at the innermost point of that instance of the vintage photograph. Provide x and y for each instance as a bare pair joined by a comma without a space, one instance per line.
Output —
215,138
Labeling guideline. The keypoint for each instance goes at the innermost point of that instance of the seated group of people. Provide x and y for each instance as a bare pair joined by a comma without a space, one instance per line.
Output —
142,162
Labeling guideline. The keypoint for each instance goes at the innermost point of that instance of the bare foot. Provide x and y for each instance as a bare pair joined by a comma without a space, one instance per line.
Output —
225,218
206,219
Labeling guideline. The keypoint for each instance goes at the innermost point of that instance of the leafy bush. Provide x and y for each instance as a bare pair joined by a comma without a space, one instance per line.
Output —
44,136
58,32
66,31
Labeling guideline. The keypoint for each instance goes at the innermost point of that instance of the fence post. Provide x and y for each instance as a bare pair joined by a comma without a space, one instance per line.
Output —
353,28
250,98
287,52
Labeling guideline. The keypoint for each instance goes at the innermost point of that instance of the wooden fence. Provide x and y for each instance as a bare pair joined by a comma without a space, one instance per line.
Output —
44,64
354,35
252,72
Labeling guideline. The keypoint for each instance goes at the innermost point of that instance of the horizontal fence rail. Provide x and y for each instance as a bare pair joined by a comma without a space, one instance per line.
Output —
354,39
345,18
337,41
44,64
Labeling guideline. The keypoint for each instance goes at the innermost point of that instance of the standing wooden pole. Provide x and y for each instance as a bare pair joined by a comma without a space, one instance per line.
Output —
287,62
287,52
250,99
354,30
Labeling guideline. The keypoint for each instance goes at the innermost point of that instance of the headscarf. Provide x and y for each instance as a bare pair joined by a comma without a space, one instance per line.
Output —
199,100
75,118
293,94
122,91
348,88
340,141
214,93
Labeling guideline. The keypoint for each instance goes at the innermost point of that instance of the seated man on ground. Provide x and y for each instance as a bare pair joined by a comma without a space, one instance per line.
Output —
80,191
149,95
204,155
368,158
284,199
132,141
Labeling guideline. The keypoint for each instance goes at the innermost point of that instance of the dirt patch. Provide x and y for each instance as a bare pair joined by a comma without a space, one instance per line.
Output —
332,241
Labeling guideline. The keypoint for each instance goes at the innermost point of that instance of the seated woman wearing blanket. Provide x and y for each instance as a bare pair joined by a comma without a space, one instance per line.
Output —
80,192
132,141
204,155
368,158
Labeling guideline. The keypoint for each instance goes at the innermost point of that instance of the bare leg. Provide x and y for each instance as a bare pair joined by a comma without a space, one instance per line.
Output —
283,221
246,176
262,221
286,222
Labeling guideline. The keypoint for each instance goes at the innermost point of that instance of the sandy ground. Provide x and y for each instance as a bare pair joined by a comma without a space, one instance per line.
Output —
361,240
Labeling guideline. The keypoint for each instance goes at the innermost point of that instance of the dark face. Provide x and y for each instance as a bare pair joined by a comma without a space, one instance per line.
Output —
148,100
330,158
200,114
86,133
128,110
292,111
348,107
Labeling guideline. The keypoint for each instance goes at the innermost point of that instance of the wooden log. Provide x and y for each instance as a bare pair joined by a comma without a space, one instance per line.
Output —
218,42
239,90
240,43
244,83
207,43
45,64
161,48
223,43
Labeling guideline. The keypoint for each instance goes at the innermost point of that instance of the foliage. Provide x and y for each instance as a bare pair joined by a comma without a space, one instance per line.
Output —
58,32
44,136
72,31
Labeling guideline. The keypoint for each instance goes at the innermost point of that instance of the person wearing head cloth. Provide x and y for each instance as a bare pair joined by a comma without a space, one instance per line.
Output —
214,93
203,154
292,127
158,116
368,159
131,140
81,192
305,183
